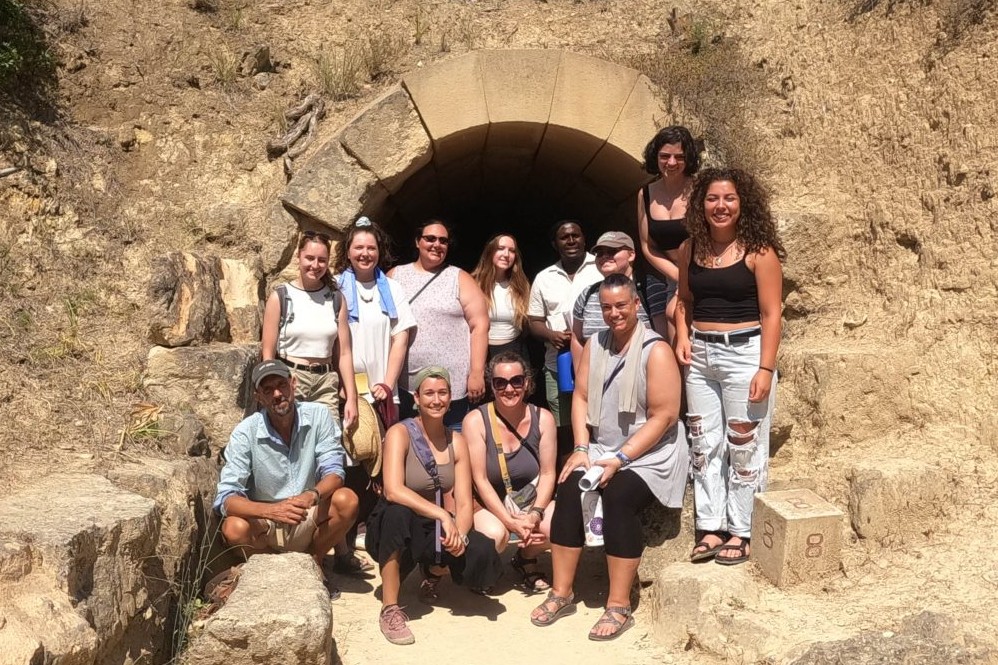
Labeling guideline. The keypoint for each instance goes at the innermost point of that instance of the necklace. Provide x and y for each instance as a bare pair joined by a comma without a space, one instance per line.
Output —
360,293
718,257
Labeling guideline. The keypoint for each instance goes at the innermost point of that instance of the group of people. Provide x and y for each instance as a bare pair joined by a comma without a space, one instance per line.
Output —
397,397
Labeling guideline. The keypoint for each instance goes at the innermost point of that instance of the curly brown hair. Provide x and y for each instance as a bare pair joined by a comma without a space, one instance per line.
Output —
756,228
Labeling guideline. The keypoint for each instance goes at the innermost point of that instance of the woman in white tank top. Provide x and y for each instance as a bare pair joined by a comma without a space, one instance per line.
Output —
500,276
312,335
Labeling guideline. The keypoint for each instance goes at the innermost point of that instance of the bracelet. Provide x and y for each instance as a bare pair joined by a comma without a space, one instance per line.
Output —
623,458
537,511
766,369
580,449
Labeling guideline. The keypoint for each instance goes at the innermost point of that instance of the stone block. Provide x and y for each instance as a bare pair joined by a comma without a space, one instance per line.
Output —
212,381
603,85
711,607
92,574
519,84
389,139
240,284
278,236
450,97
796,536
182,434
330,187
186,301
894,501
278,613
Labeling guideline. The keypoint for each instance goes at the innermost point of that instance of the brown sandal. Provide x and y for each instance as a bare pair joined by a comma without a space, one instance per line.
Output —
563,606
608,618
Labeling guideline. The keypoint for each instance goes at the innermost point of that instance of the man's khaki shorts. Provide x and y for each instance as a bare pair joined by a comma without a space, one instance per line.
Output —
292,537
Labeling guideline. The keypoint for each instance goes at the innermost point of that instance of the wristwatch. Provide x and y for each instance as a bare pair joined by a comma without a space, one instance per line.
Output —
623,459
464,539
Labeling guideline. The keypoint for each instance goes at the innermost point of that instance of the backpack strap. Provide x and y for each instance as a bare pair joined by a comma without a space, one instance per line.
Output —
284,303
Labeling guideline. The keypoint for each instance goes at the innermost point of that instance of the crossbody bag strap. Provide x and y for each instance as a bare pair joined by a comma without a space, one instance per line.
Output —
496,434
423,287
421,447
522,439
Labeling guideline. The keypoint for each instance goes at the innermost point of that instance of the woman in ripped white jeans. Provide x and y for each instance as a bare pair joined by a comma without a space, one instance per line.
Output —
727,335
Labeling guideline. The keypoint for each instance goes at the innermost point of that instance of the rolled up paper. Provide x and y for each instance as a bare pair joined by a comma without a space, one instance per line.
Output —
590,479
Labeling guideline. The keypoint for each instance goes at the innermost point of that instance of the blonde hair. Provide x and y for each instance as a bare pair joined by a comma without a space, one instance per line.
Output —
485,275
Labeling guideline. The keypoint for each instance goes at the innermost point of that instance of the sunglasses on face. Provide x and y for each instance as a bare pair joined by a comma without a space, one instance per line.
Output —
499,383
430,239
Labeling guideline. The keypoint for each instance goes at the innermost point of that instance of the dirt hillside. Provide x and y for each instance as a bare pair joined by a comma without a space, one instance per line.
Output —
874,123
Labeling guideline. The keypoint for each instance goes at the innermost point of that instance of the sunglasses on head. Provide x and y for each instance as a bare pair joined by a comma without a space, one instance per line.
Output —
499,383
430,239
317,234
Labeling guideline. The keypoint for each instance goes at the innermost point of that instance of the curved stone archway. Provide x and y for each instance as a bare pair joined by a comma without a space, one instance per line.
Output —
511,139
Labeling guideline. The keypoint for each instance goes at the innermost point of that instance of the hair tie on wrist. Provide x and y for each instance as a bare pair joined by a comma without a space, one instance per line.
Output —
767,369
580,449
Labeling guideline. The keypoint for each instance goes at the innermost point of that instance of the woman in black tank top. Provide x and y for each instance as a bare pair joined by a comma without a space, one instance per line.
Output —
671,155
727,335
526,436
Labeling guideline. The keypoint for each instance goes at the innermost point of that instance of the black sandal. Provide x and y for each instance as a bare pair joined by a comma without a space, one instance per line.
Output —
533,580
708,552
428,587
742,557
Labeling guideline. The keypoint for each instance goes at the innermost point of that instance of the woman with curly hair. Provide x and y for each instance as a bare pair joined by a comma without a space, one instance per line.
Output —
672,156
728,335
500,276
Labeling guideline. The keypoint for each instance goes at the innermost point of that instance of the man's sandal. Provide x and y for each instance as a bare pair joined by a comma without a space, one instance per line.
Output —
563,606
741,548
533,580
609,619
708,552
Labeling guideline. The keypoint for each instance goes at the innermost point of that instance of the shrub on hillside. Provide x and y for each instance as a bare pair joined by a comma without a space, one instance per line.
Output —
706,75
25,59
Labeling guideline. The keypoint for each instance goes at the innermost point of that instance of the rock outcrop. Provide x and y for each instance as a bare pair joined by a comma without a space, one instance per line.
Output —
87,568
187,305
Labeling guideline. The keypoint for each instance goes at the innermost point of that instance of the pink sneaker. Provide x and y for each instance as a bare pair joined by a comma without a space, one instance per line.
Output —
393,626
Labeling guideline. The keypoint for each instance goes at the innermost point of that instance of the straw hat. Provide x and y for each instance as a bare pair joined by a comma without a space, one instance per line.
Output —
363,439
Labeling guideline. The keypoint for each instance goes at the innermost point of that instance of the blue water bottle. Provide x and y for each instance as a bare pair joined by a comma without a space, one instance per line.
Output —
566,374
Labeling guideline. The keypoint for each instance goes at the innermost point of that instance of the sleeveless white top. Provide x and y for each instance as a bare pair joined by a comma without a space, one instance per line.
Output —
502,316
311,326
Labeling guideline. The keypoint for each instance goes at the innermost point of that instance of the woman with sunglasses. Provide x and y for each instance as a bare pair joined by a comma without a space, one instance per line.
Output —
308,331
500,276
513,445
672,156
615,255
452,320
727,335
425,515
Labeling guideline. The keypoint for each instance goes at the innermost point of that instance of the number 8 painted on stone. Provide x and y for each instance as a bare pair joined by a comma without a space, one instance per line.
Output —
814,546
767,534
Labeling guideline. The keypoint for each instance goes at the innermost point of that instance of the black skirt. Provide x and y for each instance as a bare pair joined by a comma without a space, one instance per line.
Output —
395,528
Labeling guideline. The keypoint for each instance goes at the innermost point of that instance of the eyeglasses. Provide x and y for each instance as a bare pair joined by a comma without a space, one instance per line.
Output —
430,239
499,383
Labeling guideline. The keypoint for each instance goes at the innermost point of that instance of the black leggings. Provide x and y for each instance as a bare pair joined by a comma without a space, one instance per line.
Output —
624,497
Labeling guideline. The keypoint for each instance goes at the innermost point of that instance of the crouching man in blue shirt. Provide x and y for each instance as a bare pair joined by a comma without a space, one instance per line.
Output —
281,489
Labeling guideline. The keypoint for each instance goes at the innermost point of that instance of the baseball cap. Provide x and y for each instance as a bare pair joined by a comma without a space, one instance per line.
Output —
269,368
615,240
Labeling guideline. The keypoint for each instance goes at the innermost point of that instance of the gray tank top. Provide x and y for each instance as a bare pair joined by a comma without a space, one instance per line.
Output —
442,334
522,464
420,482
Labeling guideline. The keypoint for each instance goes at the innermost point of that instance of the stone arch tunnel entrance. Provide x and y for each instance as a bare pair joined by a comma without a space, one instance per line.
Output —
490,141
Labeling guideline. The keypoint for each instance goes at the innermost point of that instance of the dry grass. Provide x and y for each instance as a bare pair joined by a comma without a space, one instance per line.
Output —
707,77
383,54
224,65
339,73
